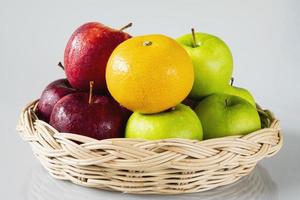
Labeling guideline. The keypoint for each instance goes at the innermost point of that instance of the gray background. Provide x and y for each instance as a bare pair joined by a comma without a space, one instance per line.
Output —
264,37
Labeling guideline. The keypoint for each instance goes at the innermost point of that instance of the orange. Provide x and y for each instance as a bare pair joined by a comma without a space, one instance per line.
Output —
149,74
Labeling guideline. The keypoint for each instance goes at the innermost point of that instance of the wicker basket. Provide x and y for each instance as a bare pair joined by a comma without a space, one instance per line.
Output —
168,166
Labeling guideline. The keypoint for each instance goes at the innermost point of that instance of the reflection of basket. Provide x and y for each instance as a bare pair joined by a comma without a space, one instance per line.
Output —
258,185
169,166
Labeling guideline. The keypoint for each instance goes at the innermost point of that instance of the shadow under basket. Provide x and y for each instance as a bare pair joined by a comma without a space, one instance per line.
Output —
168,166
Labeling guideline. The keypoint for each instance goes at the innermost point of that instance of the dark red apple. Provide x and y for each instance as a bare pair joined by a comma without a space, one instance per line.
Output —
126,113
50,96
99,118
87,53
190,102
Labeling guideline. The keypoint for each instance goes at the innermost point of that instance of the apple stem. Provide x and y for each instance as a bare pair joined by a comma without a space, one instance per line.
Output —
194,38
226,102
91,91
126,26
61,66
231,81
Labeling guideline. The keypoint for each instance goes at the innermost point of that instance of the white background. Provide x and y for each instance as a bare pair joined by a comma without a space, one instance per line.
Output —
264,37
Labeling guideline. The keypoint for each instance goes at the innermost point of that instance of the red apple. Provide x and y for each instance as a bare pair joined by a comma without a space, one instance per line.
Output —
87,53
50,96
99,118
190,102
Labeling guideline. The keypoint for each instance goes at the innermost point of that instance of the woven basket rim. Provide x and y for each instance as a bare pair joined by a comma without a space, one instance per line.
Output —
158,161
273,123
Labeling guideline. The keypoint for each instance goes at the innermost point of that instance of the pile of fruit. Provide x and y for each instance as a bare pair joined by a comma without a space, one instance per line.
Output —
150,87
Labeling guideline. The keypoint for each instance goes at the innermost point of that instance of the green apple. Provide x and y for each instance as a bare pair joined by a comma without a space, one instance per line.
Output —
240,92
212,60
226,115
179,122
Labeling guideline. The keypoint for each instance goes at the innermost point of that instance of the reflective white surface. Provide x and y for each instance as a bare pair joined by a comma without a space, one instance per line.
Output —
264,37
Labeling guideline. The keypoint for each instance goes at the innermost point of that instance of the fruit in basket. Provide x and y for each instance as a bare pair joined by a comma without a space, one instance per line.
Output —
212,60
87,53
179,122
50,96
125,112
226,115
99,117
149,74
240,92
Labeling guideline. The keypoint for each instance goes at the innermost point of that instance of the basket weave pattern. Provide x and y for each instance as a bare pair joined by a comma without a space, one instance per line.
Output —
168,166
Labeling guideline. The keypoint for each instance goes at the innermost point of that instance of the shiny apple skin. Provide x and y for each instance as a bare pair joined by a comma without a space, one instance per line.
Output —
87,53
101,119
50,96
